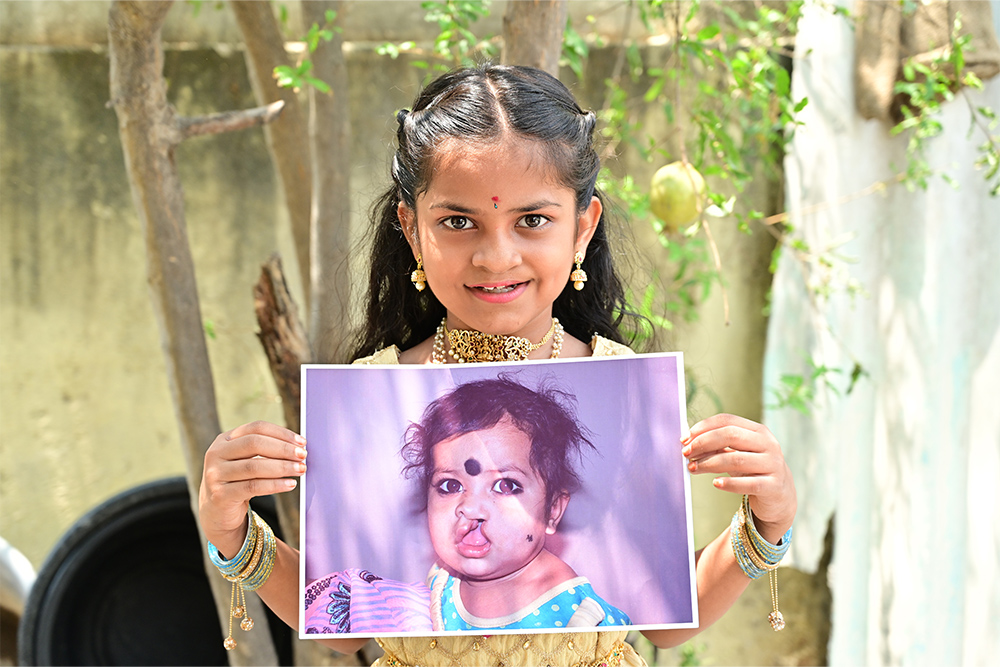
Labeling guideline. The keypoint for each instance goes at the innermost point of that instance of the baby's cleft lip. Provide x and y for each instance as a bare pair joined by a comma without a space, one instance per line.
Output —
474,543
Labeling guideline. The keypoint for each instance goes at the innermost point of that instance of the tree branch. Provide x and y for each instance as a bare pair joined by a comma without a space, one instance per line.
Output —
147,128
533,34
288,138
228,121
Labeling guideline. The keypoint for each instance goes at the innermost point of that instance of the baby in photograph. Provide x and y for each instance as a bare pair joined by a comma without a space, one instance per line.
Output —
496,459
495,465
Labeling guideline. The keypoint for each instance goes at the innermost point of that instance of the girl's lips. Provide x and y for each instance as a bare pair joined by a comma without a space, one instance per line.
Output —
498,292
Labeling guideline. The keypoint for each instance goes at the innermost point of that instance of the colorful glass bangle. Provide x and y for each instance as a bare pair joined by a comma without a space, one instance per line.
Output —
239,562
770,553
256,577
755,555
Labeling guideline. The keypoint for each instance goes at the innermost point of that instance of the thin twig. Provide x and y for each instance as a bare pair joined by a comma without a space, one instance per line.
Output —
877,186
228,121
718,267
616,73
688,168
979,122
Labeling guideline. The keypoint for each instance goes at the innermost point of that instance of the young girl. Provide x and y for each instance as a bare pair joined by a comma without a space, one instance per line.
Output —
490,244
494,460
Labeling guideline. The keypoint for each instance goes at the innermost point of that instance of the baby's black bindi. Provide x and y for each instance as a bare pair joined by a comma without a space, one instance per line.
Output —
531,538
472,467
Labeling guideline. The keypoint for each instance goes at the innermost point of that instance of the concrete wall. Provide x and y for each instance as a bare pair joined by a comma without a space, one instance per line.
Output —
84,407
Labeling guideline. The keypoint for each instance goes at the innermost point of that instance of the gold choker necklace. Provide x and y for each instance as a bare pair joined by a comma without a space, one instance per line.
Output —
466,346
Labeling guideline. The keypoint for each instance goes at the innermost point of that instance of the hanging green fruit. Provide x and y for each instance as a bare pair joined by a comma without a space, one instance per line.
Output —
677,195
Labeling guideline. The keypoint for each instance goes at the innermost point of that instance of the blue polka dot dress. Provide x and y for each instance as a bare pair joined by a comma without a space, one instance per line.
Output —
571,604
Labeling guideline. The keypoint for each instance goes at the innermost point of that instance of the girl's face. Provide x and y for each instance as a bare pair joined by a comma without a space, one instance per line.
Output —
497,233
486,507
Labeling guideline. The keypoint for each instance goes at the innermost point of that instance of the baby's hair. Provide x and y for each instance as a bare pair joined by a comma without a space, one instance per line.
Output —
547,415
486,104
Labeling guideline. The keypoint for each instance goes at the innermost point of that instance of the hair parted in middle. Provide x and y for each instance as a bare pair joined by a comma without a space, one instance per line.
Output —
487,104
547,415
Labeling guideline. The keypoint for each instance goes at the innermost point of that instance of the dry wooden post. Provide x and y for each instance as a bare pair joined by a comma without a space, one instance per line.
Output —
150,131
533,33
288,138
282,335
285,343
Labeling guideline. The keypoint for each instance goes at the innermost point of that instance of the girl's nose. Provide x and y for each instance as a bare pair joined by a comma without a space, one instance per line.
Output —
472,508
497,252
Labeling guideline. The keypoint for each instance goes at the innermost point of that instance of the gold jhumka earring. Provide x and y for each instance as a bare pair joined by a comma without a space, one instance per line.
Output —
579,276
418,277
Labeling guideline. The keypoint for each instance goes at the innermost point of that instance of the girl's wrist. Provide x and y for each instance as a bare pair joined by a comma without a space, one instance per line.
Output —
230,542
772,532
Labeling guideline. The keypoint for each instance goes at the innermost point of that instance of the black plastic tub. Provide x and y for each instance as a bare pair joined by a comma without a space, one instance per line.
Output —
126,585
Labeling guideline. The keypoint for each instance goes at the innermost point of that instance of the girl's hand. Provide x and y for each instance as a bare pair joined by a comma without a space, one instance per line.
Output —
750,455
255,459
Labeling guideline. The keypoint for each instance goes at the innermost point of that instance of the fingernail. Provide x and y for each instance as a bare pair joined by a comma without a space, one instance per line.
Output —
290,483
693,466
300,452
686,451
299,439
300,467
717,482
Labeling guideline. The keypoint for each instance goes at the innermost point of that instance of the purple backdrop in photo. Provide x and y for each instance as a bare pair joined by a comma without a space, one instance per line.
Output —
628,529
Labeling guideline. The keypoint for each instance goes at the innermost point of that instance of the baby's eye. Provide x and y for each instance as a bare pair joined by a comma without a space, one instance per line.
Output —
448,486
532,220
457,222
507,486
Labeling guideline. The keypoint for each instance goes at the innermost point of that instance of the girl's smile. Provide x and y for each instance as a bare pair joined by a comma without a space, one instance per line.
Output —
497,233
499,292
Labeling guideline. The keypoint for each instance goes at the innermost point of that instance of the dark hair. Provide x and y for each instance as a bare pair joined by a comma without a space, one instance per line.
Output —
547,415
482,104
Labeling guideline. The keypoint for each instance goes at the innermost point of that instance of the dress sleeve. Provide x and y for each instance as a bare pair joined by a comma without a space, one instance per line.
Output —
357,601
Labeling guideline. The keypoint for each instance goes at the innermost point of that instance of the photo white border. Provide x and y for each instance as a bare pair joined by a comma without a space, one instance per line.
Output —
681,417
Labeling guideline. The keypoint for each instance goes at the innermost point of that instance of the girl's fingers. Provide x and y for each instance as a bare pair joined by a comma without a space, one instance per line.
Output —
266,429
255,459
734,462
747,459
250,445
728,433
242,470
751,486
722,420
242,491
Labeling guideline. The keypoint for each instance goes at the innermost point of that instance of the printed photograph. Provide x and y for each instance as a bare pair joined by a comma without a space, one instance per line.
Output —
493,498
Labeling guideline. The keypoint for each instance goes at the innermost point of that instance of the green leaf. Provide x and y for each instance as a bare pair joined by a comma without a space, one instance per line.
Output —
654,90
708,32
318,84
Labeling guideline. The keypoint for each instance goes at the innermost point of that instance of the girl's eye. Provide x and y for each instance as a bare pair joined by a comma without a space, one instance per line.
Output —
532,220
507,486
457,222
448,486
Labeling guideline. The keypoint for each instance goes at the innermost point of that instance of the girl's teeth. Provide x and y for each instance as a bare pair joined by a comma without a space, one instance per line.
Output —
497,290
